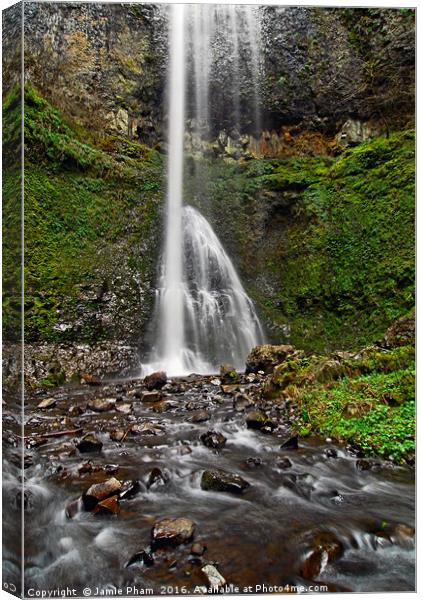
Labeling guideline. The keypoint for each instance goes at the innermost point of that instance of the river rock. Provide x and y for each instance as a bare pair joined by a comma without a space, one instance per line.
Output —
291,444
197,549
241,402
218,480
75,410
117,435
215,579
129,489
228,374
257,420
156,478
89,443
144,557
325,547
284,463
101,404
72,508
155,381
47,403
213,439
124,408
99,492
147,428
109,506
266,357
152,396
172,532
88,379
200,417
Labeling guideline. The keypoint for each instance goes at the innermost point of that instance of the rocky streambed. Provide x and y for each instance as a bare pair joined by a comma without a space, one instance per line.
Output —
179,485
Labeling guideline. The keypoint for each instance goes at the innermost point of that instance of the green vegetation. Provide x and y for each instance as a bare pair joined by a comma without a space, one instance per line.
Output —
367,400
89,213
325,246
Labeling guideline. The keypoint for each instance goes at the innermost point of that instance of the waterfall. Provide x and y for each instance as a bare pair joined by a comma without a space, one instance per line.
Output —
203,315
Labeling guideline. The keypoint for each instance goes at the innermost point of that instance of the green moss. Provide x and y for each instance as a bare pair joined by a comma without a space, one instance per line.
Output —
324,246
88,211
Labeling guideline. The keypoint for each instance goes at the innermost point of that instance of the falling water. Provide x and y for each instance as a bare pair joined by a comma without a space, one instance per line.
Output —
204,315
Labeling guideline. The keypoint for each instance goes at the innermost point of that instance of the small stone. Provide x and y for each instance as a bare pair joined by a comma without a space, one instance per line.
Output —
291,444
110,469
230,388
99,492
144,557
89,443
72,509
256,419
155,381
215,381
253,462
109,506
242,402
284,463
363,465
117,435
215,579
172,532
47,403
147,428
228,374
218,480
152,396
197,549
200,417
213,439
75,410
125,409
88,379
156,478
101,404
331,453
129,489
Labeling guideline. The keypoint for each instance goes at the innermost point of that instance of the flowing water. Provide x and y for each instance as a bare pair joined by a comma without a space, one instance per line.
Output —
203,315
262,537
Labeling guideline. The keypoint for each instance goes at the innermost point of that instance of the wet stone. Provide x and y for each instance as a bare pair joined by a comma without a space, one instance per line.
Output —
284,463
152,396
147,428
125,409
101,404
241,402
215,579
213,439
47,403
256,419
88,379
117,435
363,465
144,557
155,381
109,506
253,462
291,444
99,492
228,374
200,417
156,478
331,453
172,532
129,489
75,410
218,480
72,508
197,549
89,443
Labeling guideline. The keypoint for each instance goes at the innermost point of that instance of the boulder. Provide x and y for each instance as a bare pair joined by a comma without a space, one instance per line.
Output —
172,532
213,439
266,357
155,381
89,443
217,480
100,491
228,374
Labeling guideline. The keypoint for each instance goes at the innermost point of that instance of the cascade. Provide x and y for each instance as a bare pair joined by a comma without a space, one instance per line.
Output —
203,315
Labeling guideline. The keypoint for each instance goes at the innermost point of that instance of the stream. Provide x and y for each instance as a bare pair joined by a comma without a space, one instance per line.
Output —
266,536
